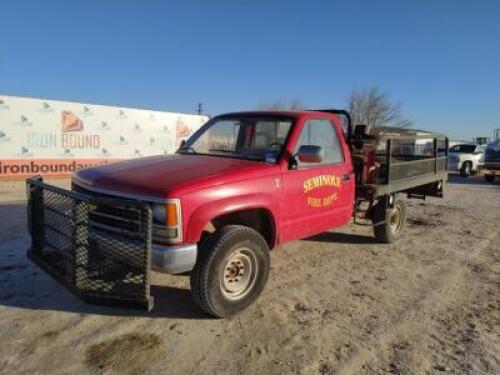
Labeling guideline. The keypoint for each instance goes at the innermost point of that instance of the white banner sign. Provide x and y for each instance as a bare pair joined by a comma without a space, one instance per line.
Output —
50,137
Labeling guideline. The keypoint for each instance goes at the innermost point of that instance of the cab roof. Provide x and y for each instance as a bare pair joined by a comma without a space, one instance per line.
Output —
272,113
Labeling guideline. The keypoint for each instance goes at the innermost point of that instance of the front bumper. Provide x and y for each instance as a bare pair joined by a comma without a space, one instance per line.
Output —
173,259
170,259
494,172
492,168
99,248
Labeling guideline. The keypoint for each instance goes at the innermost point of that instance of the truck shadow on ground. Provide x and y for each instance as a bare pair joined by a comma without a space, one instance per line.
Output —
478,180
24,285
346,238
48,295
169,302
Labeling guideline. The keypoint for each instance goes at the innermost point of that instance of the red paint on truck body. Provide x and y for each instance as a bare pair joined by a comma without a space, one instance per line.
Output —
300,202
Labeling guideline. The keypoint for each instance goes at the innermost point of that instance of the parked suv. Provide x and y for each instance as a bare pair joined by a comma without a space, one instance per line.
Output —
466,159
492,161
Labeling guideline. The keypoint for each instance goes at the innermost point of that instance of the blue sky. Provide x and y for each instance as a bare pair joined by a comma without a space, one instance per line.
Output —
441,58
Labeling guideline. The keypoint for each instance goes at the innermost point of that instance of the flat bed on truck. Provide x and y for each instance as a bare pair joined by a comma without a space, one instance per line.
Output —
241,185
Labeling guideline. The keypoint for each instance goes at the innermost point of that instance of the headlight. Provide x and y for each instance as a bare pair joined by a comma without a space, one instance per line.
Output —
167,220
159,211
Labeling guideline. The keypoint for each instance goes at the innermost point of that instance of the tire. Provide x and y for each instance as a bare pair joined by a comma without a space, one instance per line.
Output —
489,177
389,222
231,270
466,169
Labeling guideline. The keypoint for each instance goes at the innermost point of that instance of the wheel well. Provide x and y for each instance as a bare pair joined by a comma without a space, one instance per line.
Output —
258,219
468,164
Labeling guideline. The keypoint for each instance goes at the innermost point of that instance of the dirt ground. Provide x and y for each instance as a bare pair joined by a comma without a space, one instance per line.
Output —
337,303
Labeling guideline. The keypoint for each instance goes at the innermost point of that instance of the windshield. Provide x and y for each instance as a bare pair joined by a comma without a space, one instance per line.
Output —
254,138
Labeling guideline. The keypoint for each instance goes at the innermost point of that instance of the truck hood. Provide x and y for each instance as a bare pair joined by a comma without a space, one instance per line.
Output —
156,176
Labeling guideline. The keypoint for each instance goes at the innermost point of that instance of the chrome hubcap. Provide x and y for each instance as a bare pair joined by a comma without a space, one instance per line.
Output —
239,275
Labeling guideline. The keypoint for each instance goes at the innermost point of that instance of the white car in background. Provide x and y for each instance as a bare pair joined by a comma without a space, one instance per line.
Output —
466,159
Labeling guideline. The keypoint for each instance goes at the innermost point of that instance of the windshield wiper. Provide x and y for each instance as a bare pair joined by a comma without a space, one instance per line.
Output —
236,152
225,151
187,148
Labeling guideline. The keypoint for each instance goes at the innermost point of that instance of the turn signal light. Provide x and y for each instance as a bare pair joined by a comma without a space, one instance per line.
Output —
171,215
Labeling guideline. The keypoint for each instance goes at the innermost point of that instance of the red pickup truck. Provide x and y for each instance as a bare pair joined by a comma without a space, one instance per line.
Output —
241,185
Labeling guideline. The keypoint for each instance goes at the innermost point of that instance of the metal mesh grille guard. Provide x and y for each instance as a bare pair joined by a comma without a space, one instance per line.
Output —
100,248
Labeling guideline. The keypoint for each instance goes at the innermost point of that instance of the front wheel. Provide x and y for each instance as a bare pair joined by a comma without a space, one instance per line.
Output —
466,169
489,177
388,221
231,270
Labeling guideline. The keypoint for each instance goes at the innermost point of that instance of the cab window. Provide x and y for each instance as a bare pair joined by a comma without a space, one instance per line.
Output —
271,134
321,132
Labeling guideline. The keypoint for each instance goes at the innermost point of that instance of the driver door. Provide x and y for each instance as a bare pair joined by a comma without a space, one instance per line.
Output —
318,196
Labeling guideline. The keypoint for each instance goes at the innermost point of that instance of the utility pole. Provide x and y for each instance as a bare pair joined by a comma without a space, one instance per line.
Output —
200,109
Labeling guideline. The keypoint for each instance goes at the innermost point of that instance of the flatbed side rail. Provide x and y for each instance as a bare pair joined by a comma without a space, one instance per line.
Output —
415,167
99,248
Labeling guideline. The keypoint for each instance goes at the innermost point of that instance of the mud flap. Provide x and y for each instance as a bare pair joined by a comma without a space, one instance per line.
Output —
99,248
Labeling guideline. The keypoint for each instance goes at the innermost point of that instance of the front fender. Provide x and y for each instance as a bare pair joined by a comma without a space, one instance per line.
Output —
206,212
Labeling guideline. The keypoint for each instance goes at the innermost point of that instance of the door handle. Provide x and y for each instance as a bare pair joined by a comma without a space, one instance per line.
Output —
346,177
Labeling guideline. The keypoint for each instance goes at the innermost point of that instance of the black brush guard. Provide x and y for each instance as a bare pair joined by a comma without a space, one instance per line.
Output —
99,248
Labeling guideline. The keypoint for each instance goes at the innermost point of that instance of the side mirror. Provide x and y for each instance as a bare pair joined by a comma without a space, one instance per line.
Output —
311,154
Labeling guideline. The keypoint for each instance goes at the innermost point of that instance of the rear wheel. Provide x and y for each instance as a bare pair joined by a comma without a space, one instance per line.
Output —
231,270
489,177
389,222
466,169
